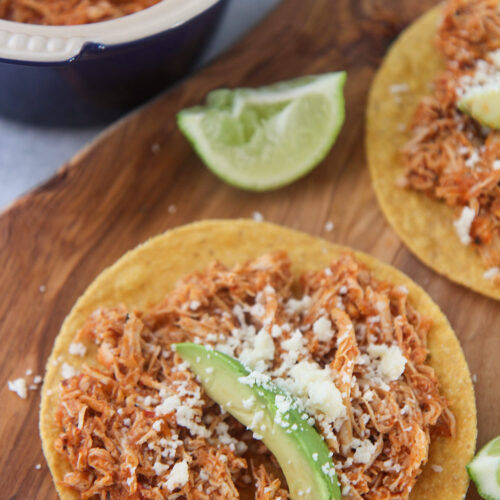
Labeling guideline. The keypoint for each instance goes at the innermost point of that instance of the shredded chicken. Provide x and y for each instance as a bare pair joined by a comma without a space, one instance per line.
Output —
127,422
450,157
68,12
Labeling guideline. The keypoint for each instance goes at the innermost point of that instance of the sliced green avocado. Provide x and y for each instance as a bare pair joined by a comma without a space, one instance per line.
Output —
483,106
273,415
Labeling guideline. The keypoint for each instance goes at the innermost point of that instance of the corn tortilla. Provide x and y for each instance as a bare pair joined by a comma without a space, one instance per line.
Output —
424,224
144,275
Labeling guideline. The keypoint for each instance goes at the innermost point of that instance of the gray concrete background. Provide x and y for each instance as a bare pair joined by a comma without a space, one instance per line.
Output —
29,155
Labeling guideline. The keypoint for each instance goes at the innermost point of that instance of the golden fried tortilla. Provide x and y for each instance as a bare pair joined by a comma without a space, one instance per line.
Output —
424,224
144,275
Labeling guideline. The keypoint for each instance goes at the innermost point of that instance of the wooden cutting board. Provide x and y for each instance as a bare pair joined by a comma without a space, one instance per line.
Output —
140,177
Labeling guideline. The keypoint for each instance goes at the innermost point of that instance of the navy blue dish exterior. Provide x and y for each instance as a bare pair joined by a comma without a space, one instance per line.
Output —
102,82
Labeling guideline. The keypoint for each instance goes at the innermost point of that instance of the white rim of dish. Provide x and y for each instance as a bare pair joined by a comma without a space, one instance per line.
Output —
36,43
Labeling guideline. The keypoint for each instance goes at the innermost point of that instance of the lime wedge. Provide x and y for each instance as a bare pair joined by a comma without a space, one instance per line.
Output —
265,138
484,470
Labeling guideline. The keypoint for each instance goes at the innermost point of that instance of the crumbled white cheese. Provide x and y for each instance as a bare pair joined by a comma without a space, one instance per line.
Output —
463,225
179,476
491,273
132,476
315,384
77,349
257,217
322,328
222,431
256,419
473,159
160,468
262,350
294,306
157,425
486,78
29,372
293,348
329,225
226,347
194,305
258,311
436,468
391,362
282,403
364,450
295,344
495,57
398,88
19,387
168,405
496,165
368,395
186,417
172,209
169,446
149,401
347,488
67,371
248,403
326,398
276,331
255,379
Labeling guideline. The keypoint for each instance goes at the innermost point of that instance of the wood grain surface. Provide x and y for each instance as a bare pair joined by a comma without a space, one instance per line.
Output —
117,192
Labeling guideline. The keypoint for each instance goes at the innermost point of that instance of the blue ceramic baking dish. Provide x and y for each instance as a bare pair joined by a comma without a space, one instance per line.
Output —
73,75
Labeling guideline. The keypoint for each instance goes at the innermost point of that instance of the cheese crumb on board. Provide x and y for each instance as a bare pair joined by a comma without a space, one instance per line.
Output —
257,216
19,387
329,226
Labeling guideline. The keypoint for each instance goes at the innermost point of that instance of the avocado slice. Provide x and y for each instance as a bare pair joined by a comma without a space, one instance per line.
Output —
483,105
274,416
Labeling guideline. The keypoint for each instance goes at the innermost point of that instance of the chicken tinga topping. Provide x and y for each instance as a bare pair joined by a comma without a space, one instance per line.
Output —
452,156
69,12
350,348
